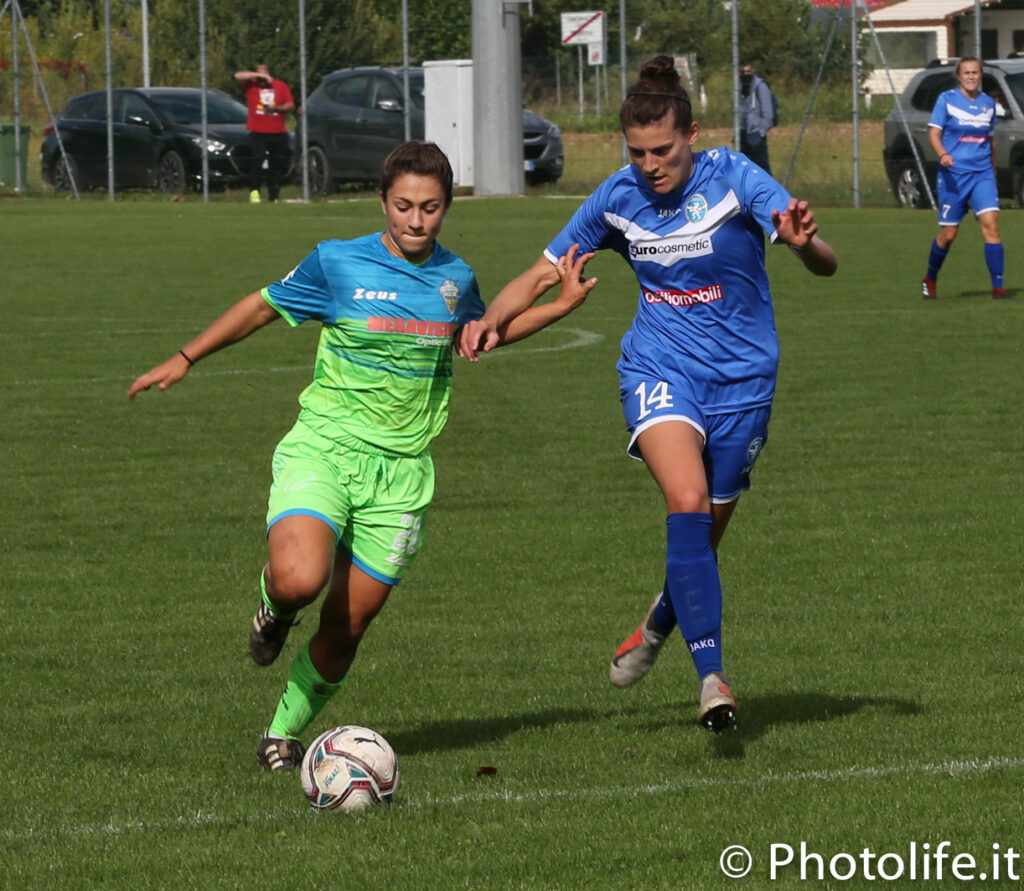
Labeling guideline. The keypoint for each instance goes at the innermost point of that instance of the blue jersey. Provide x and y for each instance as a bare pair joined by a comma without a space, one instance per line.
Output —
967,125
384,364
704,315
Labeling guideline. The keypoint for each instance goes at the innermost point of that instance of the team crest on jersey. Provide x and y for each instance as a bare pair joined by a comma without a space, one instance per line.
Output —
696,208
450,292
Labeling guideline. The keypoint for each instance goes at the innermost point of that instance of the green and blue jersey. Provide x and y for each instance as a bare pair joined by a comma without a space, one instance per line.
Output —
384,362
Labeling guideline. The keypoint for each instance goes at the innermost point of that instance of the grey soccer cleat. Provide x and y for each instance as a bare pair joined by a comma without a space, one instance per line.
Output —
267,635
275,753
717,709
638,652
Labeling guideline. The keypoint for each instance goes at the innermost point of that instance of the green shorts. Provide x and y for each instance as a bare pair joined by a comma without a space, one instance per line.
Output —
375,501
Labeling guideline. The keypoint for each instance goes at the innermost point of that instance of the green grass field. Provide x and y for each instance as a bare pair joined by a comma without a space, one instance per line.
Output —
872,576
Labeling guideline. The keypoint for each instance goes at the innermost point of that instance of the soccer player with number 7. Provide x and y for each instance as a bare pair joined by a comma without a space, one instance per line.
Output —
698,366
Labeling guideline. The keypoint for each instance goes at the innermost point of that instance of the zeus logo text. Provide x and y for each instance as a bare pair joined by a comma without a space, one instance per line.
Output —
363,294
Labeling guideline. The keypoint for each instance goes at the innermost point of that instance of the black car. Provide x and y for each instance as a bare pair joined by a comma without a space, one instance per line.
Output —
1003,80
355,117
157,140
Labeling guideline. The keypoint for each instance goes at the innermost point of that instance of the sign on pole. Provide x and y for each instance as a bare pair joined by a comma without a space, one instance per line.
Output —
582,28
595,53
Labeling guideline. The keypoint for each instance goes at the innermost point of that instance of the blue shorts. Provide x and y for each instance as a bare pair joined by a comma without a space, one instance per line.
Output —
732,441
955,190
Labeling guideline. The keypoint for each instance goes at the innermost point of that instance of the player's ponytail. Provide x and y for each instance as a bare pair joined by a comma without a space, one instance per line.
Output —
657,92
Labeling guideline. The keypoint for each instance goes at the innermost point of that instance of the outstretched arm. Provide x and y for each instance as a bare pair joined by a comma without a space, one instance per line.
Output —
512,316
796,227
249,314
575,289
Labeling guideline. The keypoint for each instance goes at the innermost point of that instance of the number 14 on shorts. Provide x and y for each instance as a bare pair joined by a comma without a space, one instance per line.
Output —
658,399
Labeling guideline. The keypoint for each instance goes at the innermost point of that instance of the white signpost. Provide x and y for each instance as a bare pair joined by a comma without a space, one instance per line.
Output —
581,29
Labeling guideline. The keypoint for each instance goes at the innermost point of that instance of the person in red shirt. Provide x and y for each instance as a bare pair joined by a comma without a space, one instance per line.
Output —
268,101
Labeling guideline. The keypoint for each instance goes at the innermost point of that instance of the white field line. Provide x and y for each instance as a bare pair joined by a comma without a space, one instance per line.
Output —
54,831
580,338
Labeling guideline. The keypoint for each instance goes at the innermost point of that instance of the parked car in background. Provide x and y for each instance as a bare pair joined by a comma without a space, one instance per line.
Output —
355,117
1003,80
157,140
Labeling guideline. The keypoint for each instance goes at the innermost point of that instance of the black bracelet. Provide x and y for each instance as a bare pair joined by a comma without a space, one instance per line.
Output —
186,358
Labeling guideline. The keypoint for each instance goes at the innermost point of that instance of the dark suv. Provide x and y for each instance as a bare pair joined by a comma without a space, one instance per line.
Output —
157,140
1003,80
355,118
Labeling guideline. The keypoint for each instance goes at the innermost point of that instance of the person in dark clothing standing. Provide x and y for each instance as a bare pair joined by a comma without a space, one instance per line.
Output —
757,116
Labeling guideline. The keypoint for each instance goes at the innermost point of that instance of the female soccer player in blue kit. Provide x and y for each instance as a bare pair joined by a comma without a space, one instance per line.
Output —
697,371
960,131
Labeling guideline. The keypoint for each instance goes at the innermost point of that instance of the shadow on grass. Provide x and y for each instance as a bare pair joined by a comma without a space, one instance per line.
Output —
1011,293
461,733
756,715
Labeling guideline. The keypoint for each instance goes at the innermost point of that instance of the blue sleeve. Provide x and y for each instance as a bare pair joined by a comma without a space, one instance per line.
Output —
939,113
471,306
759,195
303,293
588,227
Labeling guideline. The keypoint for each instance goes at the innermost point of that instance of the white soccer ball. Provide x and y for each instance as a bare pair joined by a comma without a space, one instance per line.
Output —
348,768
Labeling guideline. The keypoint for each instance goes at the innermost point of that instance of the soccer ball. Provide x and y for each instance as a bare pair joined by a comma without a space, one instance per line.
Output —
348,768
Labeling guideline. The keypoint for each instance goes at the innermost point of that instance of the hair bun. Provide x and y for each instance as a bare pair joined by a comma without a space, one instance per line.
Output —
661,68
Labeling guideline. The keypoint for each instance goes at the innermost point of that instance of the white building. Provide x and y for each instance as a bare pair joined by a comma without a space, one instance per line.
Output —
914,32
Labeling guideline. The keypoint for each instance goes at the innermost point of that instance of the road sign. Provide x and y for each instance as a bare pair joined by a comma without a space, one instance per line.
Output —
582,28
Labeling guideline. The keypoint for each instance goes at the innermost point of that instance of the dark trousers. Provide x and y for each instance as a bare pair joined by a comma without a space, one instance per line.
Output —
755,147
272,148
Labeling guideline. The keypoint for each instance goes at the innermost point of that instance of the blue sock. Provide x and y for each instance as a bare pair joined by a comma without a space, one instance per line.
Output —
935,260
691,577
994,261
663,617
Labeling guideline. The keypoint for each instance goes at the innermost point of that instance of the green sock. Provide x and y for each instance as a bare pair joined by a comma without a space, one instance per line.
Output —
303,698
276,610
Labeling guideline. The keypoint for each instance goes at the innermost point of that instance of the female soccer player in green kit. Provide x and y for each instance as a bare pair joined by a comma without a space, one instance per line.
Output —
354,476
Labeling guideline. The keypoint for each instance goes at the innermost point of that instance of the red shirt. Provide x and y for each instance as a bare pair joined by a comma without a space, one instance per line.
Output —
262,119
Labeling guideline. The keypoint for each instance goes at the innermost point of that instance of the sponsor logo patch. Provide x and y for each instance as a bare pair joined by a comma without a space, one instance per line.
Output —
692,247
422,327
708,294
